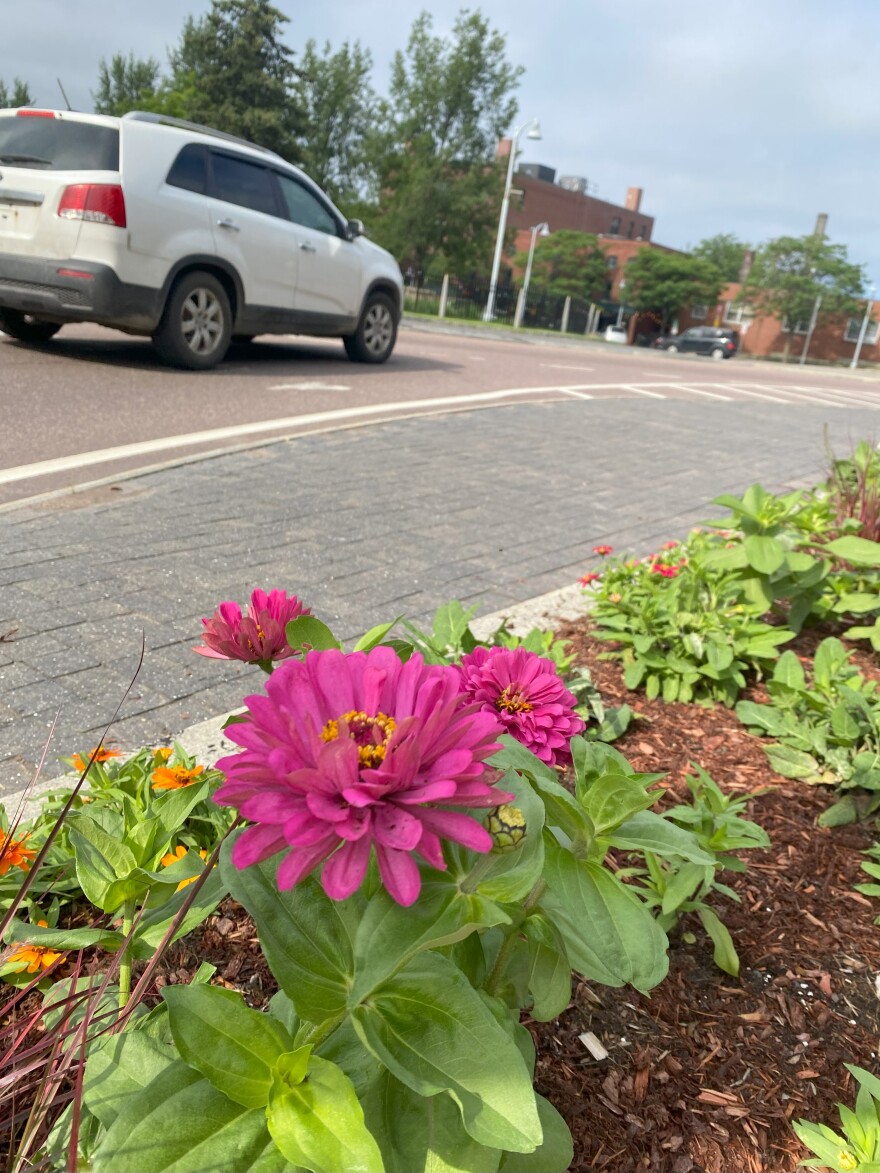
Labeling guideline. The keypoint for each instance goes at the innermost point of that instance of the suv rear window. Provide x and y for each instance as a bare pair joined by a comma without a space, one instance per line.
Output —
59,144
190,169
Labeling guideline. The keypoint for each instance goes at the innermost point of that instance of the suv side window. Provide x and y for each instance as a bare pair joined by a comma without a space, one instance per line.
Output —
304,208
238,181
190,169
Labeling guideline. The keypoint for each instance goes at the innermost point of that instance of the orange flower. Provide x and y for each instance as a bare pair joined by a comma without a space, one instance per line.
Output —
175,777
178,853
163,753
35,957
101,755
14,854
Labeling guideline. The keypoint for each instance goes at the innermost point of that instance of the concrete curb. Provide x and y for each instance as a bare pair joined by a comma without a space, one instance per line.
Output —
205,740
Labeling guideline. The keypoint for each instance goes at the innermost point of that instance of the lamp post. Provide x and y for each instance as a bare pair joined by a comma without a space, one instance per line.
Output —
538,230
813,317
864,330
534,132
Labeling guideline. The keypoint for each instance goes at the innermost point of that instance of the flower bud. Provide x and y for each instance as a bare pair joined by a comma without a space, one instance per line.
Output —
507,826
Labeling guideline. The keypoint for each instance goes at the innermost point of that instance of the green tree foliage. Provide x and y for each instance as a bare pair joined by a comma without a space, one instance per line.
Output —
569,264
127,83
19,95
232,70
666,283
789,273
725,251
338,106
438,184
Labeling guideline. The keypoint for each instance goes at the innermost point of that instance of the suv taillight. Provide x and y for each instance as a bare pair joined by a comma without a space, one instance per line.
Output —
101,203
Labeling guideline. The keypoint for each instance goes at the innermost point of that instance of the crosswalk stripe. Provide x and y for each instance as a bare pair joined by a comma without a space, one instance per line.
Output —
742,389
694,390
644,390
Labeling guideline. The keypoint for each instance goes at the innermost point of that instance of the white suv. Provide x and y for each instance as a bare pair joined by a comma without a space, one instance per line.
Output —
163,228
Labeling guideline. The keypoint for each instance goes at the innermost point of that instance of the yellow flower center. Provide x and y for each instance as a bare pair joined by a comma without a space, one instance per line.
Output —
370,734
513,701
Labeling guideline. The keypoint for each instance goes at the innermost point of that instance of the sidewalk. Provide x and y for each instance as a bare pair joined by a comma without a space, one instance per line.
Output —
490,506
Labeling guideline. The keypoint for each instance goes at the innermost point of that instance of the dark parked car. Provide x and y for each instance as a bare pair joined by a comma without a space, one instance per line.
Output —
714,340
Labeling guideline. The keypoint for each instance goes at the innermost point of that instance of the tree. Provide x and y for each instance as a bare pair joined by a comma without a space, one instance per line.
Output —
127,83
231,70
726,252
338,106
790,273
19,95
569,264
438,183
665,283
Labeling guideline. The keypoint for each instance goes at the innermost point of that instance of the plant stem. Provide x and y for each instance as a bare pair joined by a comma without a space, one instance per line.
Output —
494,979
323,1030
471,881
128,910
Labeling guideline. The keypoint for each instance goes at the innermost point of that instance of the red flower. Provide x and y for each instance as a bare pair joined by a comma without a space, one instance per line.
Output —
256,637
603,551
591,576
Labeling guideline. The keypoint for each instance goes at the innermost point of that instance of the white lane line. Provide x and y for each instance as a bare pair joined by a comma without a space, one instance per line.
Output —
313,386
579,394
43,468
477,357
643,391
798,394
561,366
850,396
745,389
696,391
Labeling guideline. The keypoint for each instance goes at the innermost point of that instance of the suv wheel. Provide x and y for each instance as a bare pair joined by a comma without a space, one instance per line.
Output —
672,348
718,352
376,333
26,328
196,326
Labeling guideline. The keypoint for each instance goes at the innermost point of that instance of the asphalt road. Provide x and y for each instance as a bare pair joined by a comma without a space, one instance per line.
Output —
94,404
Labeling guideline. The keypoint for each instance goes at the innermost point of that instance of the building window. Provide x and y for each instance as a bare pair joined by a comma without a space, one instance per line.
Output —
799,327
615,225
644,233
737,315
631,230
698,312
854,327
612,262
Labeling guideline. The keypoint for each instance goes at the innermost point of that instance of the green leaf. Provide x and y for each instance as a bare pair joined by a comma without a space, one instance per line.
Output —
724,954
765,554
118,1067
554,1155
549,980
789,671
561,808
302,934
831,656
513,874
155,922
174,807
64,939
315,1118
180,1123
767,718
433,1032
793,763
844,725
612,798
100,860
609,935
682,885
647,831
308,632
372,638
422,1132
861,603
633,674
232,1046
859,551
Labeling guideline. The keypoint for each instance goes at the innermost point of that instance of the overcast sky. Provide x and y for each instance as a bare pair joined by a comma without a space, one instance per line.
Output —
750,116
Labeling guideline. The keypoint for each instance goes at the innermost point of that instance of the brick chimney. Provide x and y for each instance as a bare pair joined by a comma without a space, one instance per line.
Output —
633,199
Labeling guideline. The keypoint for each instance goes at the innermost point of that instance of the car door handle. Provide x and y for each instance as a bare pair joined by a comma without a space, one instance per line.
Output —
230,224
307,248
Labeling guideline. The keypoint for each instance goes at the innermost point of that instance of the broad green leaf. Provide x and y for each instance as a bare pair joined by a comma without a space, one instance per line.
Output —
724,953
609,934
561,808
155,922
549,978
513,874
302,934
765,554
647,831
831,656
859,551
721,558
389,935
765,717
793,763
433,1032
789,671
683,884
231,1045
612,798
180,1123
315,1118
100,859
857,604
420,1133
844,724
118,1067
372,638
64,939
554,1155
173,808
633,674
308,632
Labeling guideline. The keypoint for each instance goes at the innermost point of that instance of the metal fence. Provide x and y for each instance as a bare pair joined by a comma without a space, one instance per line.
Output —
466,300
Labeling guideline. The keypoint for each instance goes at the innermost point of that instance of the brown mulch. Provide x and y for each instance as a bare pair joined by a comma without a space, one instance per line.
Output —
707,1072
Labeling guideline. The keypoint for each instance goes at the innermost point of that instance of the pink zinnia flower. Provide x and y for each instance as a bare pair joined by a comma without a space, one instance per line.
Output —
528,695
591,576
256,637
670,545
603,551
347,753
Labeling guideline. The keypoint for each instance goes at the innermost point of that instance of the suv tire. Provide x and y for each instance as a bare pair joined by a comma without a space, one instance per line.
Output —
672,349
196,327
718,352
26,328
376,333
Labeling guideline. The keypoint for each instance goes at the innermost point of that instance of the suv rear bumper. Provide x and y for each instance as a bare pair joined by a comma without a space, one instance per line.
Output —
94,294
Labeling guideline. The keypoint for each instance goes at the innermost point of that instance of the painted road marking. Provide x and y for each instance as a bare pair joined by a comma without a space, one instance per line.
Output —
643,391
560,366
314,386
696,391
744,389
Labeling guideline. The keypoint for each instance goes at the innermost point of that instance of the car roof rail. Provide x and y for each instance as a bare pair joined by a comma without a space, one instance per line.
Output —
182,124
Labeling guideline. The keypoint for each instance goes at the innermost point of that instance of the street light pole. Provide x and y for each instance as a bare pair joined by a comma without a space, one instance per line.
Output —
534,133
812,327
537,230
853,366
